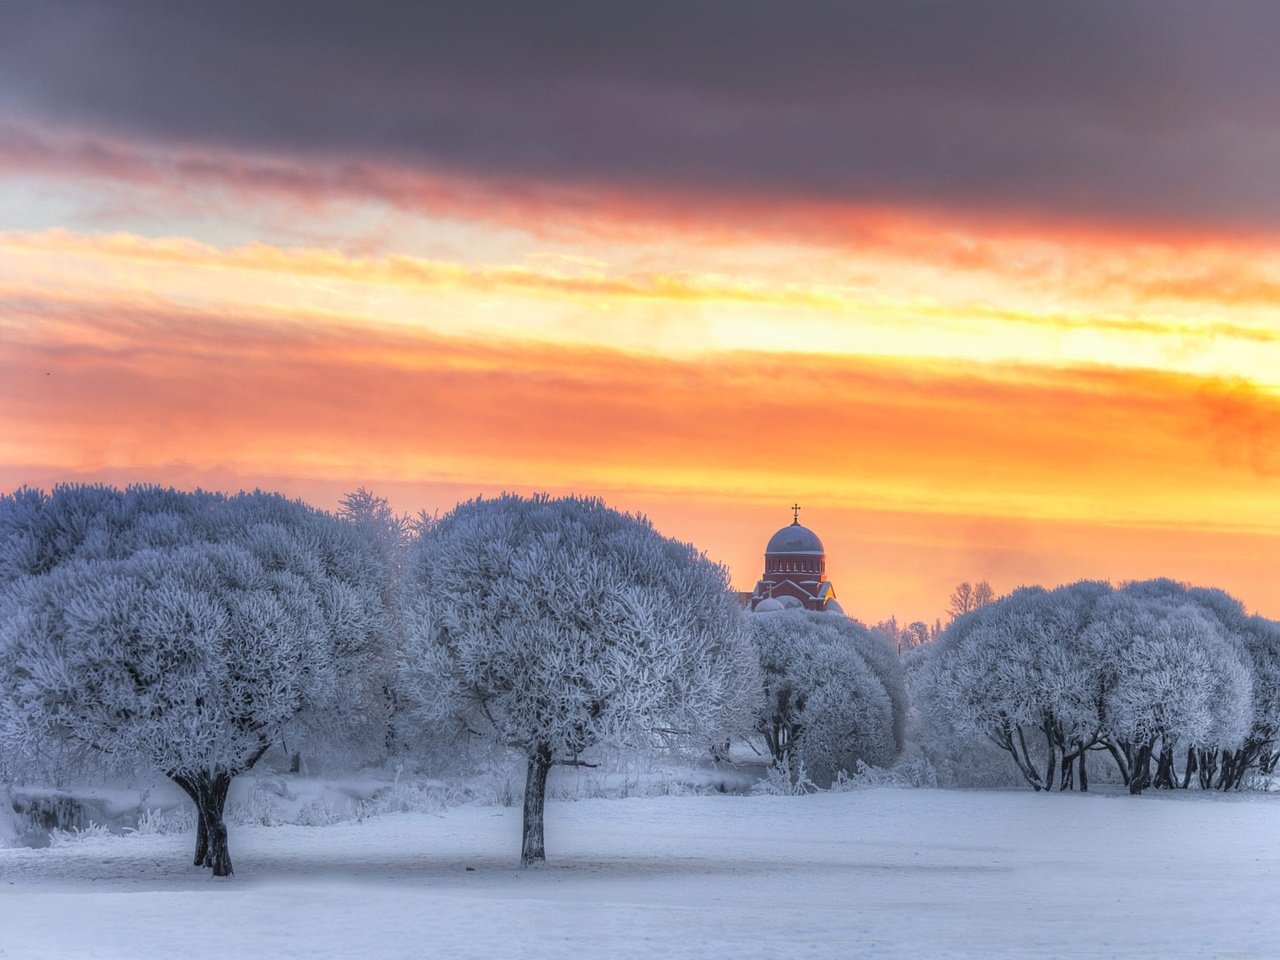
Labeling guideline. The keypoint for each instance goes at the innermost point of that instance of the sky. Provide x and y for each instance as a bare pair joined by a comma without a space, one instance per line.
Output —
992,290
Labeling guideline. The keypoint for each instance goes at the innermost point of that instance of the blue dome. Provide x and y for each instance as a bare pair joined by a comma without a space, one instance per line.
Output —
795,539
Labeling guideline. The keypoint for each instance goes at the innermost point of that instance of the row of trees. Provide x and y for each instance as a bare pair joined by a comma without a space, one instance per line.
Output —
189,632
1173,684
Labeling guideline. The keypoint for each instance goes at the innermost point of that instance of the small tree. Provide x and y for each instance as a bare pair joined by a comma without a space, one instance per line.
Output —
555,625
967,597
181,631
834,693
384,539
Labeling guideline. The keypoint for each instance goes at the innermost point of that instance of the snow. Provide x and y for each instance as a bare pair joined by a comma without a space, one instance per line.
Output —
869,873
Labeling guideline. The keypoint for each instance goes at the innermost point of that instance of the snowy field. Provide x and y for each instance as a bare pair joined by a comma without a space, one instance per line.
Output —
871,873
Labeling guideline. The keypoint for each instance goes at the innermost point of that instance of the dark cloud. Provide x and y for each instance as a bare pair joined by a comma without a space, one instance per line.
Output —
1161,109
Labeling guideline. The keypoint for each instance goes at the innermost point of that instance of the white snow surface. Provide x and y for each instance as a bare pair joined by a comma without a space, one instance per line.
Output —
869,873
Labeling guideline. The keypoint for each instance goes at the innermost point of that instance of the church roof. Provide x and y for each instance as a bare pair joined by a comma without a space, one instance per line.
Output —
795,539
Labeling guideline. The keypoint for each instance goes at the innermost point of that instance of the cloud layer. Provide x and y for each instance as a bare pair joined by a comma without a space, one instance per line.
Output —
1154,110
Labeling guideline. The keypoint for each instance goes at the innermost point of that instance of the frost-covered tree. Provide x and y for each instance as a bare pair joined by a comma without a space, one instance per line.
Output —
181,631
553,626
1257,640
1261,640
915,634
1146,673
1176,680
384,538
1016,672
834,693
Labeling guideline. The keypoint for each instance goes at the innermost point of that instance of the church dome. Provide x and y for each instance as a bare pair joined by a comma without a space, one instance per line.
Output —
795,539
769,605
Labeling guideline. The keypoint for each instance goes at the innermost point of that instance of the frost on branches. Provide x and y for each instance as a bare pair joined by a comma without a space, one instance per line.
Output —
556,625
184,631
834,694
1150,674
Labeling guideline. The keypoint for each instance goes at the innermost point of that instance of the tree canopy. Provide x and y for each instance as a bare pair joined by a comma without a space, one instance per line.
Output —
180,631
556,625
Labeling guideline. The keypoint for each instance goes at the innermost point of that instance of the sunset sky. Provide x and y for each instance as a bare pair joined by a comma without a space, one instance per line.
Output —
992,289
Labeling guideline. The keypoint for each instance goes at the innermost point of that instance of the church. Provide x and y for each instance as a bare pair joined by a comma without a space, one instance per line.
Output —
795,572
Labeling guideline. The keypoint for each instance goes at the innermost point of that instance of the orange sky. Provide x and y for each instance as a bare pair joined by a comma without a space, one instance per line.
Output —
940,417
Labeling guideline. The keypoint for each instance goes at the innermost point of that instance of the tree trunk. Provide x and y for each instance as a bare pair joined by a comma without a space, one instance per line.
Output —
1235,765
1140,773
202,832
533,851
1166,774
1207,766
1122,762
219,853
1191,767
1245,758
1268,762
1084,771
1026,764
1227,775
202,839
209,793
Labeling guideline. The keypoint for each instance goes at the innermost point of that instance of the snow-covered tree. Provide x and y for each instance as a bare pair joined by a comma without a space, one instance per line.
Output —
1176,680
1261,640
834,693
1257,640
182,631
1015,671
384,539
1146,673
556,625
915,634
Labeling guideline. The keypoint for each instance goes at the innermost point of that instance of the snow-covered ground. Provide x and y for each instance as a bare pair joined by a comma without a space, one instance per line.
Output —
870,873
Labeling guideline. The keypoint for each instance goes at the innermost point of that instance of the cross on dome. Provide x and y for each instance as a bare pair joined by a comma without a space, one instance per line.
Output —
795,514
